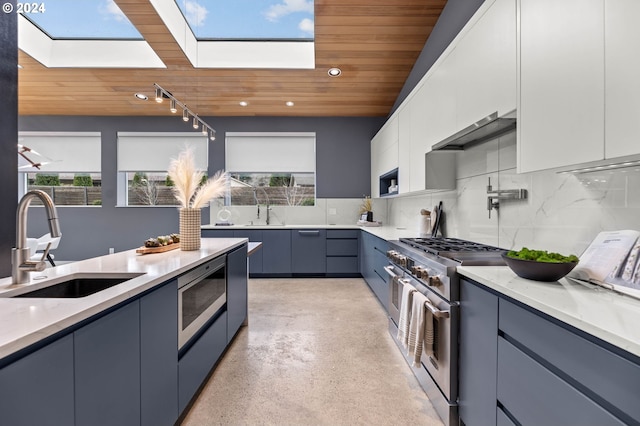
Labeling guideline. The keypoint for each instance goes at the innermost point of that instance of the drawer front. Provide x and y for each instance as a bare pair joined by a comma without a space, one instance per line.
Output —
600,372
524,386
342,265
342,247
217,233
343,233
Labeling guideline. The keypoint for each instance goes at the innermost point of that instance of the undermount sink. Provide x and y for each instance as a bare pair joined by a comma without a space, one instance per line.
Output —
79,285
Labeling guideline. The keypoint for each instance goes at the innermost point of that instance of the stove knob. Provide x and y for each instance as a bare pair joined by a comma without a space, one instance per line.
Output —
402,260
435,281
424,273
390,253
415,270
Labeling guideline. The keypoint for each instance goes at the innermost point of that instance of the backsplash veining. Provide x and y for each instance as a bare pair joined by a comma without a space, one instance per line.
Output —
563,212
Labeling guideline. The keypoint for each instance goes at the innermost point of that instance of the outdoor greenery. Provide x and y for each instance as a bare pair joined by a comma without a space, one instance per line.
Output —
82,180
46,180
139,178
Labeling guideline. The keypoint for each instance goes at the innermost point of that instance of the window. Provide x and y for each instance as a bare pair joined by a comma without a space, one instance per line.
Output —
143,160
271,168
69,166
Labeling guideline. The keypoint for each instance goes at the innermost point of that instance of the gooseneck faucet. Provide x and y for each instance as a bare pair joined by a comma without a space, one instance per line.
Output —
255,197
21,264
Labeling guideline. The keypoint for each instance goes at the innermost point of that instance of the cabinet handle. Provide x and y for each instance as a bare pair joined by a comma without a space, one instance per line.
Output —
309,232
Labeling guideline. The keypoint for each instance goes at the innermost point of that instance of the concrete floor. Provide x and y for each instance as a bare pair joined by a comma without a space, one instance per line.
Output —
316,352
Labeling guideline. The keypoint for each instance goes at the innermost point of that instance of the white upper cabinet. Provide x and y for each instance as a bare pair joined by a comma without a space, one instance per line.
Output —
384,153
439,89
561,104
486,65
622,83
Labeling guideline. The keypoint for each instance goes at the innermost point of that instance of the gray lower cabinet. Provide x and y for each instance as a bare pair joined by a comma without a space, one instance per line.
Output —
529,368
342,252
478,355
197,362
38,389
373,259
159,356
236,290
107,369
276,252
309,251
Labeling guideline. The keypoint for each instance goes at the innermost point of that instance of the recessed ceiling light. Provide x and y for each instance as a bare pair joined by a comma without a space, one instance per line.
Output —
19,66
334,72
141,96
243,103
289,103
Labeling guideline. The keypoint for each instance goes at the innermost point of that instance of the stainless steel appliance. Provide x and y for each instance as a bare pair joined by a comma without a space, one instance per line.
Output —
202,292
429,265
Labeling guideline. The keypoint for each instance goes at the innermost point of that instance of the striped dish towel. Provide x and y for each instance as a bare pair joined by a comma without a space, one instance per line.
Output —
405,312
428,332
417,327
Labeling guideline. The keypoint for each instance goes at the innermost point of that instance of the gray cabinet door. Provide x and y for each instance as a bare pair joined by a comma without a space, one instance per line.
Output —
372,261
308,251
217,233
478,354
38,389
255,260
236,290
159,356
276,251
107,369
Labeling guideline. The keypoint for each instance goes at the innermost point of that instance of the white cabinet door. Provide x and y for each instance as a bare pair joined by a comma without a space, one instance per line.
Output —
440,106
622,84
384,153
413,146
561,105
486,65
404,148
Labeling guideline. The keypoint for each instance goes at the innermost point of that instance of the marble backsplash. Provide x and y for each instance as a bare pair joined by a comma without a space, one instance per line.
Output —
563,212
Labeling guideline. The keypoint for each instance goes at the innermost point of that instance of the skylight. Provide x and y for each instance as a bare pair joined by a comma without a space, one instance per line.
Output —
249,19
86,19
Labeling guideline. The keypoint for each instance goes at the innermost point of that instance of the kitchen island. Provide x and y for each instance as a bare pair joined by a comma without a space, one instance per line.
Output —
113,357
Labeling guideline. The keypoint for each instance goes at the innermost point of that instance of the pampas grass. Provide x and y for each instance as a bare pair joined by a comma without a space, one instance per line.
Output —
186,179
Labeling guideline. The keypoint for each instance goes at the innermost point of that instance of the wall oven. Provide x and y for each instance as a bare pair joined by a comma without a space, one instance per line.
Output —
202,292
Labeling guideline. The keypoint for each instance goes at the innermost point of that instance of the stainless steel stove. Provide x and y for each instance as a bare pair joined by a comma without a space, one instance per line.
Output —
429,265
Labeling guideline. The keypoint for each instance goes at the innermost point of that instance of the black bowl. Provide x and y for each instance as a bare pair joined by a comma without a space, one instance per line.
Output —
539,271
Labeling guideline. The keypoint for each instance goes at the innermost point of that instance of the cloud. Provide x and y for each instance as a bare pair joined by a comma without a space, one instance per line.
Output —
111,10
276,11
196,14
306,25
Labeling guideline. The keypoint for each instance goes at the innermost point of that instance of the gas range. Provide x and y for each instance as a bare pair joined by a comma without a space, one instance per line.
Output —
465,252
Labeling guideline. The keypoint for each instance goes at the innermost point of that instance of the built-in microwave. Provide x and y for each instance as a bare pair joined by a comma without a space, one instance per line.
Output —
202,292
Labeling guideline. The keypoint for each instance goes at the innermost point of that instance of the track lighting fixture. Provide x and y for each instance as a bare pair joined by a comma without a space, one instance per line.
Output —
186,112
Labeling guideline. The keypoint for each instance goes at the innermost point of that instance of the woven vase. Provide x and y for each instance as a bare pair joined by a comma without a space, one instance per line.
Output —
189,229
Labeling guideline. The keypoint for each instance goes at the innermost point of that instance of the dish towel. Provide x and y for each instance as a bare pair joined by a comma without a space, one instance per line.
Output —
417,327
405,312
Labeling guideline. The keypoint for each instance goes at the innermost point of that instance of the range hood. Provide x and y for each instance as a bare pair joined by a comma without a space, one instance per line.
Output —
485,129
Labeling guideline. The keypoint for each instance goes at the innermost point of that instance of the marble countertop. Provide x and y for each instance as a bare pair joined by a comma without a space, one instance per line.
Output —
605,314
24,321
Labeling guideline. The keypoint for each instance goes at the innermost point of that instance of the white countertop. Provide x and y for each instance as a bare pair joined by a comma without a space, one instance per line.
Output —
610,316
24,321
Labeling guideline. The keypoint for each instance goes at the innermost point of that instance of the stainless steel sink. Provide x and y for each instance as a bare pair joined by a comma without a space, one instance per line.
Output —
78,285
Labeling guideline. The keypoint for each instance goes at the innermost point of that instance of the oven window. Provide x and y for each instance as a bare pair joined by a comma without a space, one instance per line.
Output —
200,296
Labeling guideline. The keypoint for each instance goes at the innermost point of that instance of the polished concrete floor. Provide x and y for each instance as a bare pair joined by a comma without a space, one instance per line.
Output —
315,352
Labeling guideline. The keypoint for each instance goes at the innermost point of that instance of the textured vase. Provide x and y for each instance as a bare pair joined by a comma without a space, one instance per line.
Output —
189,229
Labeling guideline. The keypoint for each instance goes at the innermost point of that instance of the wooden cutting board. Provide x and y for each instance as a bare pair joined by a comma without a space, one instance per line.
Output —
161,249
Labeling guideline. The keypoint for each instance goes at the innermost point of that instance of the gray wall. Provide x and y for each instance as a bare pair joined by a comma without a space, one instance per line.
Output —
8,136
453,18
342,171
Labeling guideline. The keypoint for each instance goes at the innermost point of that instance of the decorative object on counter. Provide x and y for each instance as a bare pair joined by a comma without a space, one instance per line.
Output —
160,244
192,195
366,213
540,265
425,223
223,217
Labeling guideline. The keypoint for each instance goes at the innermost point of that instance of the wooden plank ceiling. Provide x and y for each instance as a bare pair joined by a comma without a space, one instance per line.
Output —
374,42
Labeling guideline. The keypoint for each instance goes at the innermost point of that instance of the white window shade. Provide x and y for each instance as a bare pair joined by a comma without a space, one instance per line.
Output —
271,152
152,152
64,152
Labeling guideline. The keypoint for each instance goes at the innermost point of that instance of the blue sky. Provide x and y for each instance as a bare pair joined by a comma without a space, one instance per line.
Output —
207,18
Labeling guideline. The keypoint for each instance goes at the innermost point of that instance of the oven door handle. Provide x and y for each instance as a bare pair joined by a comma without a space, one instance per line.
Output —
435,311
390,271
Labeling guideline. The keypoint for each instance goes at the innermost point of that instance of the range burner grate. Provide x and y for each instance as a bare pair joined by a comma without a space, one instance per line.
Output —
460,250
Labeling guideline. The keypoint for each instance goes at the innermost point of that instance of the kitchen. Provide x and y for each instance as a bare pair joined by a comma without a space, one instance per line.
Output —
563,212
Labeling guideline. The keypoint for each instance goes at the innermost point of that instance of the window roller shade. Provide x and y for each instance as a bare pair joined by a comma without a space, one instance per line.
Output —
271,153
152,152
69,152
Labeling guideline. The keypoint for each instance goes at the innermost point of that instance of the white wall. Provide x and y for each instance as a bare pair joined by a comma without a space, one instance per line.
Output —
563,212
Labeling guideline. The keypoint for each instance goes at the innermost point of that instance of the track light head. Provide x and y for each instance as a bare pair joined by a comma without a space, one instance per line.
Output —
185,115
212,135
158,95
173,108
195,122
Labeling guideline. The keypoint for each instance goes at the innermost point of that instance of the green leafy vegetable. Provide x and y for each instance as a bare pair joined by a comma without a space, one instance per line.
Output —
541,256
